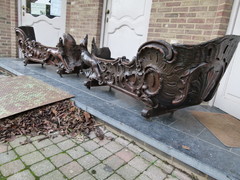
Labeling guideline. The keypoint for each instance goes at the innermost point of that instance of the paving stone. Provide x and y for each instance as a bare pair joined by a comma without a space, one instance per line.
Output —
113,146
25,149
180,175
122,141
142,177
42,167
50,150
76,152
149,157
11,167
102,142
58,139
32,158
139,163
17,141
134,148
84,176
88,161
4,147
92,135
53,175
128,172
42,143
155,173
125,154
24,175
37,137
101,171
7,156
114,162
111,135
67,144
90,145
164,166
170,177
60,159
115,177
101,153
72,169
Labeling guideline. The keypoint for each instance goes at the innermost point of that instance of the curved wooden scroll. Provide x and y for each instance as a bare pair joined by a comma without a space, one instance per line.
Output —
165,77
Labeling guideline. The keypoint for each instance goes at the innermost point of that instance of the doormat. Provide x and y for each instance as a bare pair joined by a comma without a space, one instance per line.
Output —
224,126
22,93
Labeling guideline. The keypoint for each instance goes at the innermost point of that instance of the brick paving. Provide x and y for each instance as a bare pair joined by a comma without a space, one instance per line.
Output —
113,158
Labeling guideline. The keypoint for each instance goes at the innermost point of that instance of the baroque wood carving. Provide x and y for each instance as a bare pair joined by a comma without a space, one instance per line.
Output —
165,77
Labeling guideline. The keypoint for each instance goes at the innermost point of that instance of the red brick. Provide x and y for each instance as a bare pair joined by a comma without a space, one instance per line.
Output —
173,4
204,8
196,20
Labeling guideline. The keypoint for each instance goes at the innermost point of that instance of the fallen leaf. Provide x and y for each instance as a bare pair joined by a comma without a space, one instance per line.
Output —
185,147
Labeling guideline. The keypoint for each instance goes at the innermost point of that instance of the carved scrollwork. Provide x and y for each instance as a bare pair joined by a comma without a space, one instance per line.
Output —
167,77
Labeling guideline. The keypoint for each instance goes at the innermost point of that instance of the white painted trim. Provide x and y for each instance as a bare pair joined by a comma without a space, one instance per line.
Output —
231,24
105,2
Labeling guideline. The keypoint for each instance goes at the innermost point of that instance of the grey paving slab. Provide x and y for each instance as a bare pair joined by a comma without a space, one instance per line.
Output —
60,159
55,175
167,168
101,153
42,167
155,173
25,149
100,171
50,150
88,161
139,163
163,132
128,172
17,141
113,146
90,145
32,158
72,169
7,157
114,162
67,144
84,176
76,152
115,177
11,168
4,147
41,144
22,176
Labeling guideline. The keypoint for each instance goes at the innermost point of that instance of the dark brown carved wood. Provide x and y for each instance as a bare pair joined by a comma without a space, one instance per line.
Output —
165,77
66,54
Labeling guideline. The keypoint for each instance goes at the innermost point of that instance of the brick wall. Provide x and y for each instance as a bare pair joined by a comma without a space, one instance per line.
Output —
8,21
84,17
188,21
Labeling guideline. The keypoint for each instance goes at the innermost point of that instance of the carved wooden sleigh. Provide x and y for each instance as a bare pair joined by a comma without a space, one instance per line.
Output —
165,77
66,54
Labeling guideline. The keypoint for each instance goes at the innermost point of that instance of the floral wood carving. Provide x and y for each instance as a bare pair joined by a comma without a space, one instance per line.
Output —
165,77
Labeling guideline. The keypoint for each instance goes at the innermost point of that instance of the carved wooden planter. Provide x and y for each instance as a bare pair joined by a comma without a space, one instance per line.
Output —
165,77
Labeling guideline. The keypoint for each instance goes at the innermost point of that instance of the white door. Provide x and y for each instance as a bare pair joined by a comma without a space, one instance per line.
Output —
126,26
48,17
228,94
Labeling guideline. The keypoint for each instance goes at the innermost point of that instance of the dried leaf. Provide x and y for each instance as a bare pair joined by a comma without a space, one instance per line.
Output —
185,147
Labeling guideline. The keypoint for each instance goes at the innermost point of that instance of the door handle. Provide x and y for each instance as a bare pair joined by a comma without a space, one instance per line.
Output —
108,11
23,7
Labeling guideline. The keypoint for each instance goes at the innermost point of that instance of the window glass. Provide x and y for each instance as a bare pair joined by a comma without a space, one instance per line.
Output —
49,8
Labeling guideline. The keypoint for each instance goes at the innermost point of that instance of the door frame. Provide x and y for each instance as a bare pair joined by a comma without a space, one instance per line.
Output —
231,25
105,3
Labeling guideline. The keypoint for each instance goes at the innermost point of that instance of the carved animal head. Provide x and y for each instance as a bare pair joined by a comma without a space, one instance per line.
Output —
84,42
69,41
